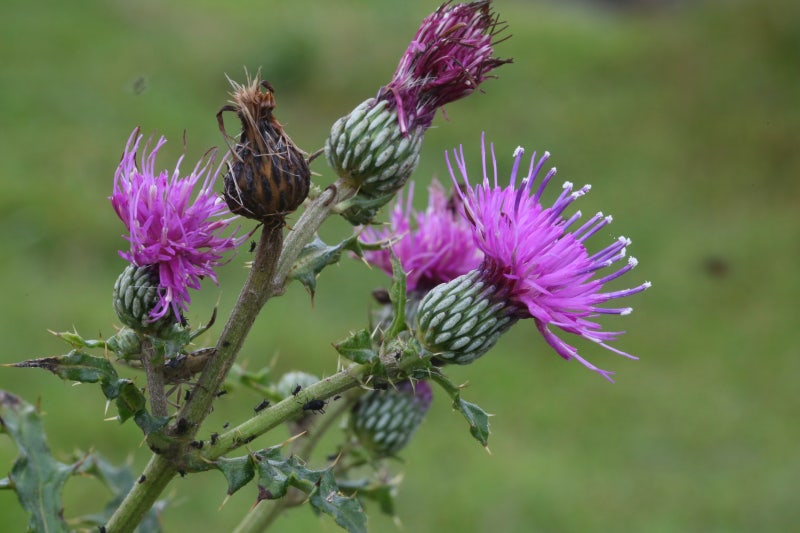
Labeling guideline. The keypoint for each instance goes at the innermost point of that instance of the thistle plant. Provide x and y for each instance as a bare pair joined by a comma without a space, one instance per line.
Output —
460,273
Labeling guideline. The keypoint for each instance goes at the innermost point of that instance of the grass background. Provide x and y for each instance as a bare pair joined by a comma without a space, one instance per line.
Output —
686,121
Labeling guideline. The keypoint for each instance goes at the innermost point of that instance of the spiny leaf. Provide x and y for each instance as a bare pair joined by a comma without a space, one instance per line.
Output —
74,366
382,493
347,511
237,471
36,476
85,368
314,257
477,418
397,294
357,347
276,473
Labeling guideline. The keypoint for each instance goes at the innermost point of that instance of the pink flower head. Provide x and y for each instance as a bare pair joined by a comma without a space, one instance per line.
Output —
539,258
166,228
451,55
438,249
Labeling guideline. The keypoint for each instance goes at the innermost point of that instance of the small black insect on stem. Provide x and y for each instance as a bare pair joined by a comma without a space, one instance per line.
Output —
252,246
296,390
261,406
315,406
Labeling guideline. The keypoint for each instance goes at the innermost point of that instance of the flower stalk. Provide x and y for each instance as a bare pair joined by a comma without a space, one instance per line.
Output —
155,377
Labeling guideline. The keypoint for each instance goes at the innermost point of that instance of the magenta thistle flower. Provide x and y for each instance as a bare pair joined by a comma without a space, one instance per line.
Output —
450,55
535,265
436,250
178,237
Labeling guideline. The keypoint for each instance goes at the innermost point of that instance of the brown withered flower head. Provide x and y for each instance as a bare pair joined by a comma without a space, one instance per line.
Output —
268,177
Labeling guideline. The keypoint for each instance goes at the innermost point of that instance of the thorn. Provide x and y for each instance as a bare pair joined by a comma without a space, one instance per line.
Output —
293,438
227,497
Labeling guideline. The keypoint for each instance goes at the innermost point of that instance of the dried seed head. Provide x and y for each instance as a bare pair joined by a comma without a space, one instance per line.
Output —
269,176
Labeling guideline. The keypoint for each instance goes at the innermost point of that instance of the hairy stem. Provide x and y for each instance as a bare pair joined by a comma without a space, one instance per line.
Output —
254,294
304,230
155,378
144,493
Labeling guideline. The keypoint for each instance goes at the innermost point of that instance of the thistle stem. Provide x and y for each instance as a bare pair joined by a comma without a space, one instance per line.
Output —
154,376
144,493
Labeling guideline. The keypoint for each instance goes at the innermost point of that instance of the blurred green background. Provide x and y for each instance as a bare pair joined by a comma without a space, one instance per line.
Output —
684,116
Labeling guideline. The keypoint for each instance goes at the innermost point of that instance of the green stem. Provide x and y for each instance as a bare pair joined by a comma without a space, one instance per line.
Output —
302,232
254,294
144,493
286,409
154,377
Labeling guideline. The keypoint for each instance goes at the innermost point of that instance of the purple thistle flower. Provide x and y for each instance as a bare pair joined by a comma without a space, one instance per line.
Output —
437,250
166,228
538,259
450,55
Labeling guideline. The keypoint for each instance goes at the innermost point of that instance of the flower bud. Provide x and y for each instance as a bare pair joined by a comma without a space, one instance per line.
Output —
461,320
136,294
125,343
269,176
368,149
385,420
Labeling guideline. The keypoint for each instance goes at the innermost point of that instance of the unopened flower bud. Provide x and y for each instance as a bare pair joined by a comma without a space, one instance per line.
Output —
385,420
461,320
368,149
125,343
136,294
269,176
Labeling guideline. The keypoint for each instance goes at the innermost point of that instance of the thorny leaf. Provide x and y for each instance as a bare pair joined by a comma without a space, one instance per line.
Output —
477,418
238,471
382,493
36,476
357,347
85,368
397,294
317,255
276,474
